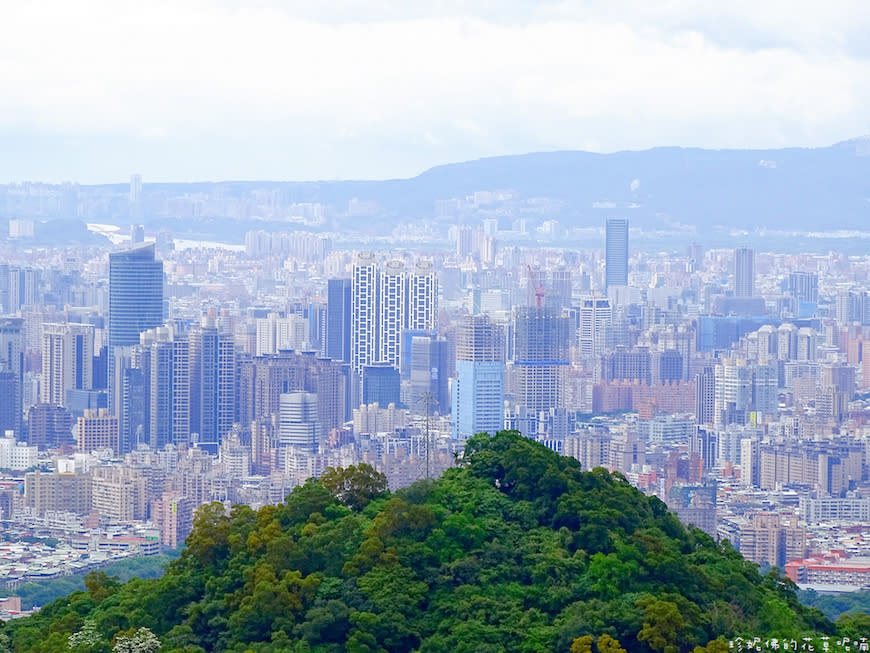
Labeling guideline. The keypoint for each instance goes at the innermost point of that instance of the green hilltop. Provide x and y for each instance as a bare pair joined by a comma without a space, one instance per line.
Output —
516,549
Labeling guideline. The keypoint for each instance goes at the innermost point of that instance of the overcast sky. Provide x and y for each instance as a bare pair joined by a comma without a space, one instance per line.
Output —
188,90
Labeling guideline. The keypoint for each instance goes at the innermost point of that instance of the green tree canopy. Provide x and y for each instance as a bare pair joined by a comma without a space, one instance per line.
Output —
517,549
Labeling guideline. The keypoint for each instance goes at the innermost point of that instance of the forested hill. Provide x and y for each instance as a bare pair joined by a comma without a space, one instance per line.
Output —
516,550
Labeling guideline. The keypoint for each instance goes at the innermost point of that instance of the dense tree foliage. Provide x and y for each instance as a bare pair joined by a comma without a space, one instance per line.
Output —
515,550
835,605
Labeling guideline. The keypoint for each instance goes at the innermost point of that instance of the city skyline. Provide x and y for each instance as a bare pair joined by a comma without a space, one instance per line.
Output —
700,368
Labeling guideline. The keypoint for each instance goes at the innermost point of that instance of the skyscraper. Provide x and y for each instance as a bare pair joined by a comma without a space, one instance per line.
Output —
422,297
338,320
594,320
23,288
67,360
364,311
385,302
733,391
540,359
135,301
744,272
616,253
11,370
212,380
804,286
135,189
392,312
165,362
478,391
427,374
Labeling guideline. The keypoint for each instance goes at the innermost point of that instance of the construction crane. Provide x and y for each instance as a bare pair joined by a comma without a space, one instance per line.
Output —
539,287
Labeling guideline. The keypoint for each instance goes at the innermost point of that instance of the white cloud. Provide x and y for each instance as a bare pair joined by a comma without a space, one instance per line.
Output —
445,81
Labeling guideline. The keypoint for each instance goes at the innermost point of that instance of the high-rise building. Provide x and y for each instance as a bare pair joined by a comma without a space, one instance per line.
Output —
804,286
298,421
765,387
733,393
422,297
48,426
57,491
561,289
4,288
744,272
315,316
263,379
668,366
23,288
478,390
392,312
338,319
67,360
130,396
212,380
11,371
616,252
97,430
705,396
135,301
381,384
428,375
119,493
627,364
806,344
464,236
165,364
540,359
595,317
276,333
385,302
135,189
364,314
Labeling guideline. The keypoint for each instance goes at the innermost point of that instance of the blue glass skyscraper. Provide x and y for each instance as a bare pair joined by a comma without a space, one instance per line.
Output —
338,320
616,253
135,302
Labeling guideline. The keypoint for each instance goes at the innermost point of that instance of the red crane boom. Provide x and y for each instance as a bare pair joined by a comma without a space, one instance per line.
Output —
539,287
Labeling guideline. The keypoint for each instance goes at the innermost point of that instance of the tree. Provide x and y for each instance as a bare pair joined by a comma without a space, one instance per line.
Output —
488,557
853,624
662,624
141,641
100,585
354,486
606,644
86,639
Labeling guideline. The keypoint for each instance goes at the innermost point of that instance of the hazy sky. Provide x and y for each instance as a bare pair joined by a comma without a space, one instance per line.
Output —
189,90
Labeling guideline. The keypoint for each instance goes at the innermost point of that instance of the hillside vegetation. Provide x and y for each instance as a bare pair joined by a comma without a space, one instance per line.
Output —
517,549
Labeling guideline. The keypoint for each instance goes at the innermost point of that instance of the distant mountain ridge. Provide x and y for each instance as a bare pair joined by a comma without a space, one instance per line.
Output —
792,188
787,188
